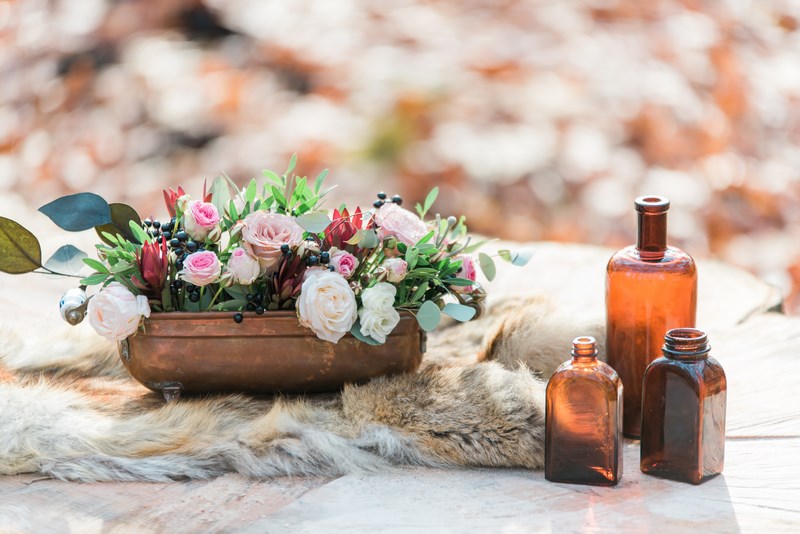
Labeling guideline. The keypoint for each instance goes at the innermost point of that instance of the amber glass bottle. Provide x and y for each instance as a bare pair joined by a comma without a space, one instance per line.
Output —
650,288
583,420
683,408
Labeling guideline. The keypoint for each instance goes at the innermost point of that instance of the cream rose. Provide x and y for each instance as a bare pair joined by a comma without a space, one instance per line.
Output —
396,269
244,267
327,306
377,315
400,223
115,312
264,233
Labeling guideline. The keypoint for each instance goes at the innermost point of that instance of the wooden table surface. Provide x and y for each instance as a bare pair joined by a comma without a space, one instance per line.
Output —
759,490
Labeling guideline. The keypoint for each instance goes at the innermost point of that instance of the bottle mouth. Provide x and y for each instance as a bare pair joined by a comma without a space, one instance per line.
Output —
584,346
686,342
652,204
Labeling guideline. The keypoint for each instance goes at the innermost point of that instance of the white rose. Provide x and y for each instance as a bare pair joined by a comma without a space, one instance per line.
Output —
243,266
377,315
115,312
396,269
327,306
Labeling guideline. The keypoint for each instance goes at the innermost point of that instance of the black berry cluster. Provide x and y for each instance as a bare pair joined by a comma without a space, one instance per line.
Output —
255,303
382,199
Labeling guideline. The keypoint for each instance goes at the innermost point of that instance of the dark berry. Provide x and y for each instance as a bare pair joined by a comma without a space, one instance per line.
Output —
331,268
285,248
167,227
250,297
397,199
238,317
191,246
148,223
156,224
166,235
173,290
382,195
312,260
178,283
260,310
182,236
179,265
174,243
251,306
378,203
324,257
190,288
194,297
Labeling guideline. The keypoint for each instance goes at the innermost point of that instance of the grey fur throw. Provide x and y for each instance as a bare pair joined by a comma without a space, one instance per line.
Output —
68,410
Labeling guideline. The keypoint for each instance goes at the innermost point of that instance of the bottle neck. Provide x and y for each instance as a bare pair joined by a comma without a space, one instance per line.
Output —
686,344
584,350
651,240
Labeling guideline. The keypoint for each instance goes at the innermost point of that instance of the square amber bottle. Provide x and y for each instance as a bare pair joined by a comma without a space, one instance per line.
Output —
583,420
683,410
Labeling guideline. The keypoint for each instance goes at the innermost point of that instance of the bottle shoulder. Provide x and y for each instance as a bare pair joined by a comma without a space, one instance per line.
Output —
599,372
629,258
706,370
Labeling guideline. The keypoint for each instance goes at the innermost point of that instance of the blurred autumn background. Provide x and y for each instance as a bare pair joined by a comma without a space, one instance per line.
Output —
539,120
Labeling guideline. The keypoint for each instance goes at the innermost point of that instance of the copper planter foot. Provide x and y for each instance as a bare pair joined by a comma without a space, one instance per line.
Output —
172,392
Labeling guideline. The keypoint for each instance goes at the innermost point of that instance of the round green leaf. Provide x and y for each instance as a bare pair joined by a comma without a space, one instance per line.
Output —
121,217
66,260
459,312
429,316
20,251
356,333
78,212
487,266
314,221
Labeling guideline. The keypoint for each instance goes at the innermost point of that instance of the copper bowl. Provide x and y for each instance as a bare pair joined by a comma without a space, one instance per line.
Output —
208,352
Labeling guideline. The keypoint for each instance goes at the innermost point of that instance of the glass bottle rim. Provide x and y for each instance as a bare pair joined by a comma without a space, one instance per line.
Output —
686,343
652,204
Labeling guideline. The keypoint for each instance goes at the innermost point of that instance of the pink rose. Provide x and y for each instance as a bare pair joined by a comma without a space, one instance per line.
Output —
201,268
244,267
467,271
344,263
200,218
264,233
400,223
396,269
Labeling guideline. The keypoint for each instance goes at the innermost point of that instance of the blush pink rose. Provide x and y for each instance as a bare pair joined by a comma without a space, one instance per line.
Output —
467,271
115,312
264,233
400,223
243,266
344,263
200,218
396,269
201,268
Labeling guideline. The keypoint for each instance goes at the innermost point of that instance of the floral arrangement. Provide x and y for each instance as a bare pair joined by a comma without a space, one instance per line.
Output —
263,248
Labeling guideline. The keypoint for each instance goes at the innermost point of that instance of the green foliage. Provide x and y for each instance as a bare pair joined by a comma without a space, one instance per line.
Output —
121,217
20,251
78,212
429,316
66,260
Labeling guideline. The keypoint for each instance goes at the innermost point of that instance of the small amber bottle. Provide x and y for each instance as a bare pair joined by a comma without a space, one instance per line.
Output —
683,408
650,288
583,420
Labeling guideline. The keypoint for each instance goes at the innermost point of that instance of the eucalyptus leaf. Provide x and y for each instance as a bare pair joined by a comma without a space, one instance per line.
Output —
121,217
522,256
220,193
66,260
459,312
429,316
487,266
20,251
314,222
78,212
356,333
320,180
369,239
505,254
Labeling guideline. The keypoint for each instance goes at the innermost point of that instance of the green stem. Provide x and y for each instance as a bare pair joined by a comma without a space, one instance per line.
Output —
48,271
210,304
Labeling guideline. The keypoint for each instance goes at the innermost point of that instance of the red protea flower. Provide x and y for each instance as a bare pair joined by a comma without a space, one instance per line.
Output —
287,281
171,198
153,263
342,228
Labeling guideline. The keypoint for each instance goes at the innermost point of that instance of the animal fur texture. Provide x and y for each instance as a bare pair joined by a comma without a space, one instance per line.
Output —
68,410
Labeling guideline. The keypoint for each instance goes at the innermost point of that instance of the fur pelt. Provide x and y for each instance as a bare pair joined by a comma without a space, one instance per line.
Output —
69,411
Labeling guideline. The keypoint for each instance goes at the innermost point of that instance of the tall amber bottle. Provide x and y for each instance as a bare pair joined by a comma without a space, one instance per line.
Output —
650,288
683,423
583,420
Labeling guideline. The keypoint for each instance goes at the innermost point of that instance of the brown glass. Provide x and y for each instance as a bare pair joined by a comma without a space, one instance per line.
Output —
683,428
650,288
583,420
